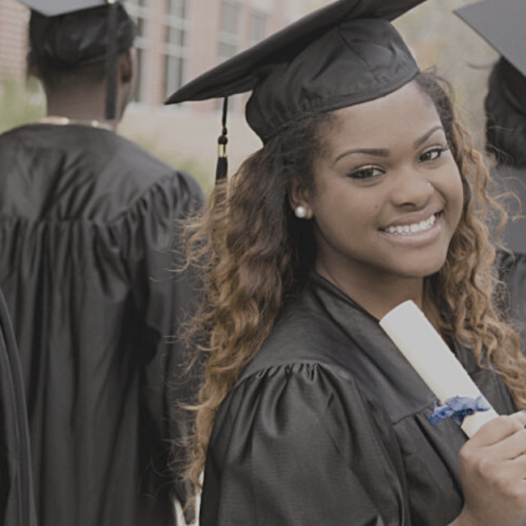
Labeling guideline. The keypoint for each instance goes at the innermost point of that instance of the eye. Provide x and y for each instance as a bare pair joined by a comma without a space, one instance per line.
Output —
434,153
366,172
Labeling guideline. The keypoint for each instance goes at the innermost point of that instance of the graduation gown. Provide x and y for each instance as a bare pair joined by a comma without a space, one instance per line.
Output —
88,233
16,488
328,425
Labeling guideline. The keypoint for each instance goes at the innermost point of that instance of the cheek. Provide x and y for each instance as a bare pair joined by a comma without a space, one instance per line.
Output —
347,217
345,202
458,192
454,193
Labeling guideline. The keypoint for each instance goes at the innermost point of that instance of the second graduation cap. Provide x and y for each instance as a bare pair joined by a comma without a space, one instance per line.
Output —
502,23
343,54
75,33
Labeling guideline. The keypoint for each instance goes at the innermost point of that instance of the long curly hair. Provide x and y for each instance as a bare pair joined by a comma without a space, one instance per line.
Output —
255,255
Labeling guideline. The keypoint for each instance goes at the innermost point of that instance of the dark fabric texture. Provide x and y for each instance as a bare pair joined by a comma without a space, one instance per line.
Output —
357,61
17,506
88,231
514,84
329,425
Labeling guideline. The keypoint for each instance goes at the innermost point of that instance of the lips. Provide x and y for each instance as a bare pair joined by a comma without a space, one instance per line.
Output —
412,228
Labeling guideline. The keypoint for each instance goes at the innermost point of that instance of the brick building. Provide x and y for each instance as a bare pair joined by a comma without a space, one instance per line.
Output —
179,39
13,38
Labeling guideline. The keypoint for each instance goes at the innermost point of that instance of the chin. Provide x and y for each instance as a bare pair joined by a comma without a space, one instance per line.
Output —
422,269
428,271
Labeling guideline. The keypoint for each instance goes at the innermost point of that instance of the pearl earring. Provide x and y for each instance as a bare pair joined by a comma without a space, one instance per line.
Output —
301,212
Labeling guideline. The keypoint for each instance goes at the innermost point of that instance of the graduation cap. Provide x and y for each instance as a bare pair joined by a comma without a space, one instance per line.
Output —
501,24
340,55
74,33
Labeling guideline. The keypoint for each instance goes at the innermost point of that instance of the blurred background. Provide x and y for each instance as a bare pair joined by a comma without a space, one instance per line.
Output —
178,39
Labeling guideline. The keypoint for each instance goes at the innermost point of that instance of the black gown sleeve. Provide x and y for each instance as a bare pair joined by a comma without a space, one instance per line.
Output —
164,299
300,445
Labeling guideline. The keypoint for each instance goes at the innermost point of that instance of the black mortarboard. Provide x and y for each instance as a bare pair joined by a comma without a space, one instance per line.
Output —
502,24
68,34
340,55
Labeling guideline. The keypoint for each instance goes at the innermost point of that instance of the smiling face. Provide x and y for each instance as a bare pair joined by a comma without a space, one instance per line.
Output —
387,193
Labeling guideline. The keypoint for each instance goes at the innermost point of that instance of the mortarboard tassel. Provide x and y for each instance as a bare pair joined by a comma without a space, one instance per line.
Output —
222,159
111,61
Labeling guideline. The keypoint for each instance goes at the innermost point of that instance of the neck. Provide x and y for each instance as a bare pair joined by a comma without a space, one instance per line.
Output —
81,108
378,295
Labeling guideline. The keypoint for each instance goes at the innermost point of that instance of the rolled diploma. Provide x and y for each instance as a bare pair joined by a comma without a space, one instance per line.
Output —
425,350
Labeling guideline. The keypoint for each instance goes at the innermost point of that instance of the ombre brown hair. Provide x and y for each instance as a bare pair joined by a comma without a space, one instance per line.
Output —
255,256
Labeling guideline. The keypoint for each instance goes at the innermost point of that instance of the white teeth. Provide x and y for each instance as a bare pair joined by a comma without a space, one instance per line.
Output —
412,229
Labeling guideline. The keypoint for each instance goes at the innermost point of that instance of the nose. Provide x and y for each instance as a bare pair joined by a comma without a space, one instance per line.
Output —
411,189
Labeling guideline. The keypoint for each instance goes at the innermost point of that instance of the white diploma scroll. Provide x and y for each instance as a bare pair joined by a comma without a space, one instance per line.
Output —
425,350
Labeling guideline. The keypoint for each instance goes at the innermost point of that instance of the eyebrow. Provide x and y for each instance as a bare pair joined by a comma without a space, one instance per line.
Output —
426,136
381,152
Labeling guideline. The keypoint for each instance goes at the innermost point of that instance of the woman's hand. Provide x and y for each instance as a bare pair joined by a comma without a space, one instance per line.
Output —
493,473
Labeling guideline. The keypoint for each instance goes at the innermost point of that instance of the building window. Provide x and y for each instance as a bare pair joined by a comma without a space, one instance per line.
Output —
258,27
229,31
175,44
138,10
229,43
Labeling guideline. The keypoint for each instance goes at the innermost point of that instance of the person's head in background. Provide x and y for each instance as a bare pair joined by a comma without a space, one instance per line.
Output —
501,24
505,109
68,54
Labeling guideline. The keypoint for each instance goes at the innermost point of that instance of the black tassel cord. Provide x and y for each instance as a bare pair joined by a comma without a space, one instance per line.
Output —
111,61
222,159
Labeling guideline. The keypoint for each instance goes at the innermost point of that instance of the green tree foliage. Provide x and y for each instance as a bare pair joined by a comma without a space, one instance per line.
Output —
20,103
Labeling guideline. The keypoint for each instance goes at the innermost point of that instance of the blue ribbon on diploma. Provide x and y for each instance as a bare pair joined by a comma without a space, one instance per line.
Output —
458,408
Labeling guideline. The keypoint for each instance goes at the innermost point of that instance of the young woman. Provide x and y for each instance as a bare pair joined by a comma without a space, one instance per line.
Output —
367,193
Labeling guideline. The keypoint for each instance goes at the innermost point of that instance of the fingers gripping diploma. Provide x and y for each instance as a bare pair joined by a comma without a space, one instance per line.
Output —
493,473
493,462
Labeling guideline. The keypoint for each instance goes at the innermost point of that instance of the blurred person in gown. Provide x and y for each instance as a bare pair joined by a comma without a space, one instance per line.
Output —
89,240
501,24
